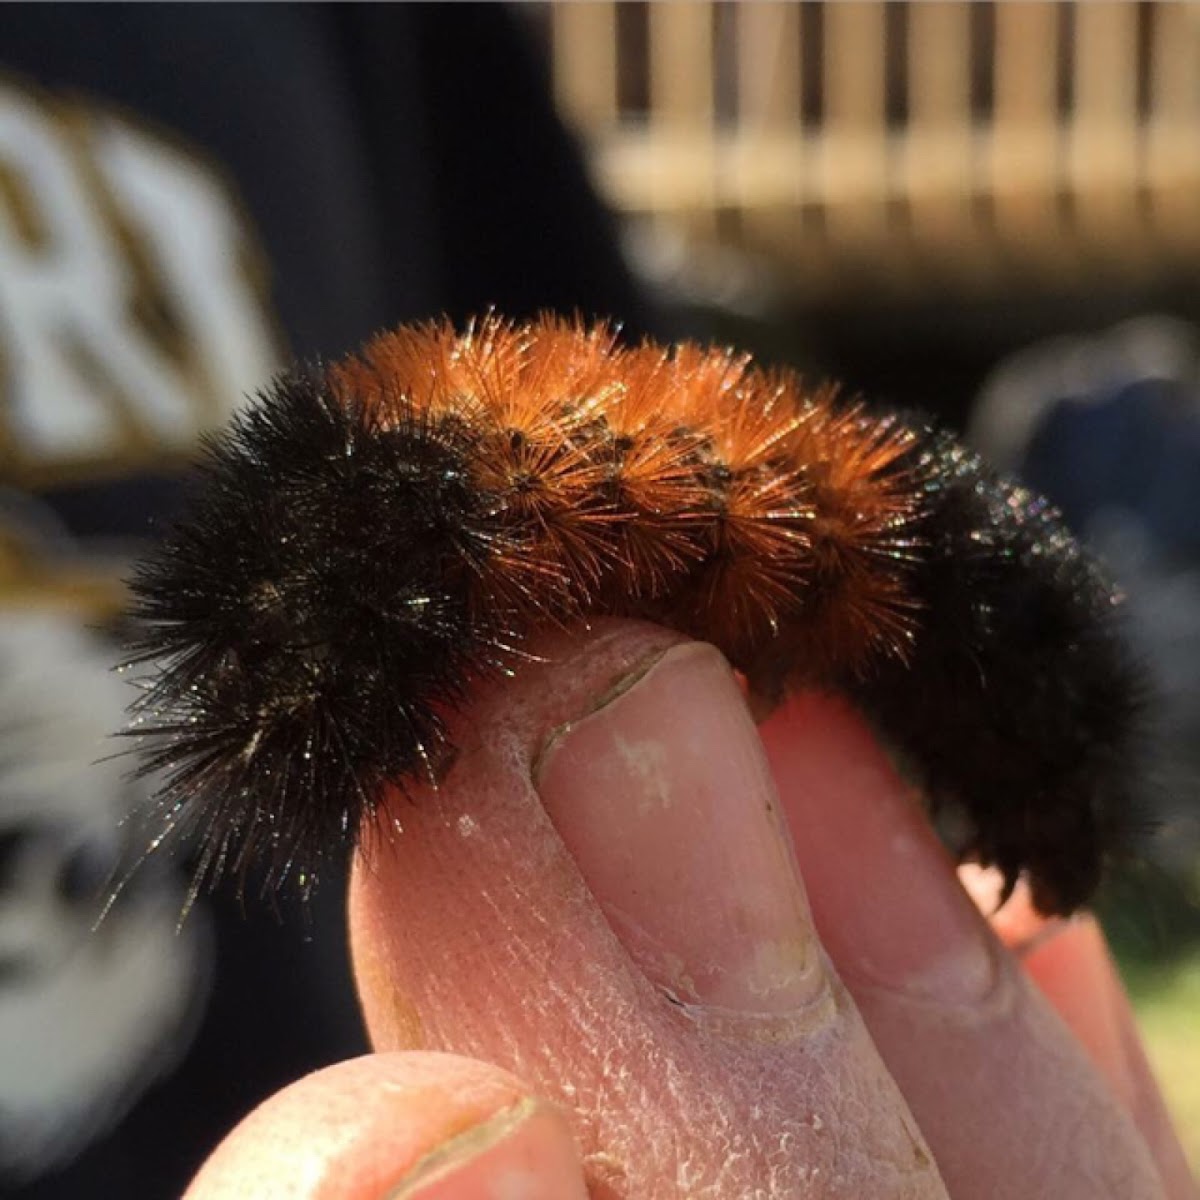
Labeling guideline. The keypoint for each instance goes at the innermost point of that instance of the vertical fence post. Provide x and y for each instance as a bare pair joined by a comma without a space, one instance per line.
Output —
1025,139
585,64
937,139
681,107
1104,135
854,165
767,151
1173,127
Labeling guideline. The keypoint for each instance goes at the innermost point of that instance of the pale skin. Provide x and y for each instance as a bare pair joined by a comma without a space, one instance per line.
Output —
634,947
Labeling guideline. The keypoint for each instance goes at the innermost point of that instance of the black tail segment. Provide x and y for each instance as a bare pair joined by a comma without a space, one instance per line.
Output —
1020,705
306,621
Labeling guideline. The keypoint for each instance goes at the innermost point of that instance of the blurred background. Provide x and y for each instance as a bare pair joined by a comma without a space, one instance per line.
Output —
990,211
877,178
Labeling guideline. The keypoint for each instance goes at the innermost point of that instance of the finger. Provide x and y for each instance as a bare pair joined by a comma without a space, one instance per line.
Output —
1070,963
397,1127
601,899
1006,1097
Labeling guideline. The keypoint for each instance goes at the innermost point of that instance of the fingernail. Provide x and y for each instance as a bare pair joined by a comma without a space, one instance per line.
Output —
664,797
524,1153
884,893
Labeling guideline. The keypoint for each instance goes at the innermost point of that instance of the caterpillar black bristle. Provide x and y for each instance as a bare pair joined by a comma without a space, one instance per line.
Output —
372,536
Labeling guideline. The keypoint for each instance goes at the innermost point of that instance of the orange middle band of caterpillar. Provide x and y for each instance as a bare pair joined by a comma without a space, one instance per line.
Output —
372,536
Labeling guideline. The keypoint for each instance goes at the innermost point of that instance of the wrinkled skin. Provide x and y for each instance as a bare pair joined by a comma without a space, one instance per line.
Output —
599,917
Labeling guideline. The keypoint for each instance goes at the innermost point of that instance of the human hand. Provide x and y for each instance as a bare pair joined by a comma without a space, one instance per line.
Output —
601,917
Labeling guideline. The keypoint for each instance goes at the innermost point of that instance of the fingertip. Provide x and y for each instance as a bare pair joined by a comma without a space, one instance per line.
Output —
1069,962
390,1125
981,1058
1072,967
880,883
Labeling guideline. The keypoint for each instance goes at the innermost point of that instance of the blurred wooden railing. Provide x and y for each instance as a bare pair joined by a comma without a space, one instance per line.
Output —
901,142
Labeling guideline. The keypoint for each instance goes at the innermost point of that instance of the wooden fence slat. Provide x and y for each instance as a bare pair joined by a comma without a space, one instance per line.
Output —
681,62
1175,63
1025,139
765,158
681,107
1105,64
1104,135
939,65
1172,163
585,63
768,35
937,140
854,162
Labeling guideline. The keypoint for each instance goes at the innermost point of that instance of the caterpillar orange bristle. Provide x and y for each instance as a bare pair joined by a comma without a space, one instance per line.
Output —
373,536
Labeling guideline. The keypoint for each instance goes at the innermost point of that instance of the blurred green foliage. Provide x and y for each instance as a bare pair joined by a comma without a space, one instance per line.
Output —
1153,924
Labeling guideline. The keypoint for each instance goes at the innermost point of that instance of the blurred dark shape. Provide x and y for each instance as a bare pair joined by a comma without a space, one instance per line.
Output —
1109,428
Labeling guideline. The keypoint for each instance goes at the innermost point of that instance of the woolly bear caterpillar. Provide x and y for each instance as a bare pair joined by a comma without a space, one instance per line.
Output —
373,535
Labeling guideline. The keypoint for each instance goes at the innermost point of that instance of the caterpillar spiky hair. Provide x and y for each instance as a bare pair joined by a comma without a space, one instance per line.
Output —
374,535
